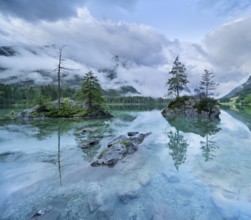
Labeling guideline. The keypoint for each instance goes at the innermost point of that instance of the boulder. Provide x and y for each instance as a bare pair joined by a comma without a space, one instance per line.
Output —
118,148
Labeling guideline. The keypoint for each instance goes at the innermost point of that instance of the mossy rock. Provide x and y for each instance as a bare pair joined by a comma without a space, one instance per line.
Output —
206,104
178,102
199,106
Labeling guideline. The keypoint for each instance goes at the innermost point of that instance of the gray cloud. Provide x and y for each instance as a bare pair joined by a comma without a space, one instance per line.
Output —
91,41
36,9
228,50
91,45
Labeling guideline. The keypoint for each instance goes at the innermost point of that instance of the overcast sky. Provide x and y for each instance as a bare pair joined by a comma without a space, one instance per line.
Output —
206,34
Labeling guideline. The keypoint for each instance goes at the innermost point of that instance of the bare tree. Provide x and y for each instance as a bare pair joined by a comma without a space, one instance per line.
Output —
59,68
207,83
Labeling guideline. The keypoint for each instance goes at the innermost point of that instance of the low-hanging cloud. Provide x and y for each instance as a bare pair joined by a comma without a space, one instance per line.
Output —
91,41
91,44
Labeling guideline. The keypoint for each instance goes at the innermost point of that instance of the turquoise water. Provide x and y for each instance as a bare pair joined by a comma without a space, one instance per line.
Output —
183,170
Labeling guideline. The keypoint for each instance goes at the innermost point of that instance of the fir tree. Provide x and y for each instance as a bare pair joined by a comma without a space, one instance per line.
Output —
179,78
207,83
91,93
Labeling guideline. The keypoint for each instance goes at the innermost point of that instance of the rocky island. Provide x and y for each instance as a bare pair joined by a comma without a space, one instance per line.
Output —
89,103
68,109
199,106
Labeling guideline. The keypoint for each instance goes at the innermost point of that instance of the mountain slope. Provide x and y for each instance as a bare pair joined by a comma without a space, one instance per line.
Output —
242,90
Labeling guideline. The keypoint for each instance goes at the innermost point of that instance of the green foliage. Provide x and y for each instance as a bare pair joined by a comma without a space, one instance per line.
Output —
178,102
206,104
12,114
124,142
91,93
14,94
65,111
224,100
178,79
136,100
42,108
246,100
102,153
207,83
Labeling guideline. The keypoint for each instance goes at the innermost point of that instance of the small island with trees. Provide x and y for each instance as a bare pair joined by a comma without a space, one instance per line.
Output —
200,106
90,104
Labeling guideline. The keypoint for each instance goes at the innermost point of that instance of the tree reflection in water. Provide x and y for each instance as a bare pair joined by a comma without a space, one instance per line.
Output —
208,148
59,156
178,146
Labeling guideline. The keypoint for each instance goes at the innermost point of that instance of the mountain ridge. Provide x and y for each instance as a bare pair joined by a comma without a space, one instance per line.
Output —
240,90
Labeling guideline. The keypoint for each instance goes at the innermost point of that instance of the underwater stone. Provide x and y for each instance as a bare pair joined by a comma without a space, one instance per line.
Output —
144,180
130,192
161,211
117,149
90,144
95,200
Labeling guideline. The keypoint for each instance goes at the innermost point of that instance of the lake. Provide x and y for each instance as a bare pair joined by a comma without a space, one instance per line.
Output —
183,170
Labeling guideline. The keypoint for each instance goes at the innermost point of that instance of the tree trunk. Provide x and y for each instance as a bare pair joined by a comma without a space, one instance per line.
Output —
59,76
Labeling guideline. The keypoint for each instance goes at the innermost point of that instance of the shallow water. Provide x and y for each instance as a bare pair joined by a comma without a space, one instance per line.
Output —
183,170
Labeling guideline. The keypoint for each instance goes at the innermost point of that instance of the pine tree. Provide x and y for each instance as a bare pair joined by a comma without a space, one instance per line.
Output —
91,92
207,83
179,78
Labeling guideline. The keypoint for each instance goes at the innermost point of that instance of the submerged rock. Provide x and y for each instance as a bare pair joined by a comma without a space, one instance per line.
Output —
161,211
130,192
199,106
118,148
46,213
95,201
90,144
